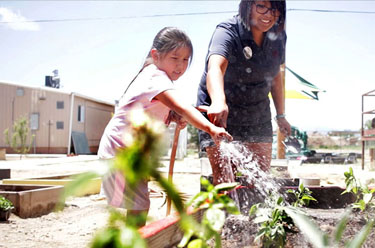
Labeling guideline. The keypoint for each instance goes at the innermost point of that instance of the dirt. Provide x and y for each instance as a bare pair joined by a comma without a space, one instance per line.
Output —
72,227
240,232
82,217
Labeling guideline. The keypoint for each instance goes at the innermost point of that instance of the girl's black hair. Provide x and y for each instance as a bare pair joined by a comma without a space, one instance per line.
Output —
244,12
166,40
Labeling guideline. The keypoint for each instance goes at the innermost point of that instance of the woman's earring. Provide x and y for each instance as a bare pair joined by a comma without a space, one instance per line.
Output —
247,52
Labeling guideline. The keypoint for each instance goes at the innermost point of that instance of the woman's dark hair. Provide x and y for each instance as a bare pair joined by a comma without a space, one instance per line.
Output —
165,41
244,12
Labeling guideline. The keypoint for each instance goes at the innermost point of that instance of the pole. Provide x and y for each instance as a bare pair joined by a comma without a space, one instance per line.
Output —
280,136
362,133
171,163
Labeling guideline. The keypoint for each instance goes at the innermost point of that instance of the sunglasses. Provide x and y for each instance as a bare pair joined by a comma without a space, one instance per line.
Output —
261,9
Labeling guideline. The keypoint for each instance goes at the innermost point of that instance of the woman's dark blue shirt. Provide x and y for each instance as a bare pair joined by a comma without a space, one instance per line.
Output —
249,76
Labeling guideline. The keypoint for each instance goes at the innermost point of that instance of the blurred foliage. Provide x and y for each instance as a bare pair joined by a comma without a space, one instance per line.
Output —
193,132
215,202
140,160
320,239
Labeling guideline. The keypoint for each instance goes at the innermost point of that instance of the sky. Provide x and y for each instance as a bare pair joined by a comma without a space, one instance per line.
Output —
99,46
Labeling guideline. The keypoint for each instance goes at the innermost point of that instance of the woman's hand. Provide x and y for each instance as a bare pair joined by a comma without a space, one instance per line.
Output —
217,115
284,126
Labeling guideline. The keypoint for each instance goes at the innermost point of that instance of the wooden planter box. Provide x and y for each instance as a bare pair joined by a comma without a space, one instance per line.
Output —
166,232
32,200
3,154
90,189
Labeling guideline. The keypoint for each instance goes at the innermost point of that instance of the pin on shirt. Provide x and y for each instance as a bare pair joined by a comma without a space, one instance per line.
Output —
247,52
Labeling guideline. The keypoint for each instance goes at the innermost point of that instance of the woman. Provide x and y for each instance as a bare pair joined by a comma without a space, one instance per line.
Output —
242,68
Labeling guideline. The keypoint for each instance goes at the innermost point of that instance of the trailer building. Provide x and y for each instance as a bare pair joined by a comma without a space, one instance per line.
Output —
62,122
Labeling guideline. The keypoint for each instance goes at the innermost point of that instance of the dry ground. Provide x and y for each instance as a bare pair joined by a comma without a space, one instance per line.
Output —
82,217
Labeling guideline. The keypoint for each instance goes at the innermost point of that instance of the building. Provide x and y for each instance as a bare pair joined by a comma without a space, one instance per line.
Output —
63,122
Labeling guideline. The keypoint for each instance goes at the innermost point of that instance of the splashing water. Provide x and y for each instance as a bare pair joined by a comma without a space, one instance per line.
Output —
237,155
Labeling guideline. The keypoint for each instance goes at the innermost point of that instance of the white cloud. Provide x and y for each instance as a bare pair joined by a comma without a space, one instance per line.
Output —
16,21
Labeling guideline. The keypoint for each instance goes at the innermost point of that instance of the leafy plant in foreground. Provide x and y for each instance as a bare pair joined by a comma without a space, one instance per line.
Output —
364,195
303,196
139,161
214,201
274,223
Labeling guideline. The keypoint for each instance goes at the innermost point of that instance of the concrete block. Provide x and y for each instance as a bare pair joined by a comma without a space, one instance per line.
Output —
4,174
32,200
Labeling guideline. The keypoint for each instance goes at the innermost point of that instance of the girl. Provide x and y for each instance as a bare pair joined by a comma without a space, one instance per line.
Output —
153,88
242,68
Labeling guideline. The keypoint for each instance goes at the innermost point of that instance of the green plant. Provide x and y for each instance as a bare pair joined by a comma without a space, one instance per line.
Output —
20,134
274,223
320,239
302,195
364,195
193,132
214,201
5,204
368,124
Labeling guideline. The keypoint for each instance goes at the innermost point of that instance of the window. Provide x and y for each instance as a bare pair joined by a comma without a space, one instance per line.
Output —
59,125
20,92
34,121
81,113
60,104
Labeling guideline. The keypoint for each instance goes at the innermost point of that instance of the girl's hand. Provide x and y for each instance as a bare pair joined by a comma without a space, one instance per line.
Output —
219,134
284,126
178,119
181,123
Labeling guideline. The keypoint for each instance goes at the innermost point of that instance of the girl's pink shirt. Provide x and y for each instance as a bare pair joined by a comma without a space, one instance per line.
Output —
148,84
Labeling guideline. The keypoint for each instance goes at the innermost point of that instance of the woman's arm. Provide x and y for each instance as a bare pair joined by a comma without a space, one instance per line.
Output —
174,100
278,96
218,111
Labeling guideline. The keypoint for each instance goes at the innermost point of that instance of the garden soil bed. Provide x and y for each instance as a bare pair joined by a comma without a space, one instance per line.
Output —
239,232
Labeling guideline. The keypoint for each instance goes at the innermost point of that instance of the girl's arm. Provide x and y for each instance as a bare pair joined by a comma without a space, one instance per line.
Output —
278,96
175,101
218,111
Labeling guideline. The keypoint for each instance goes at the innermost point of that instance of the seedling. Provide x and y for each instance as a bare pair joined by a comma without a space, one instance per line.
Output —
274,223
364,195
302,195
